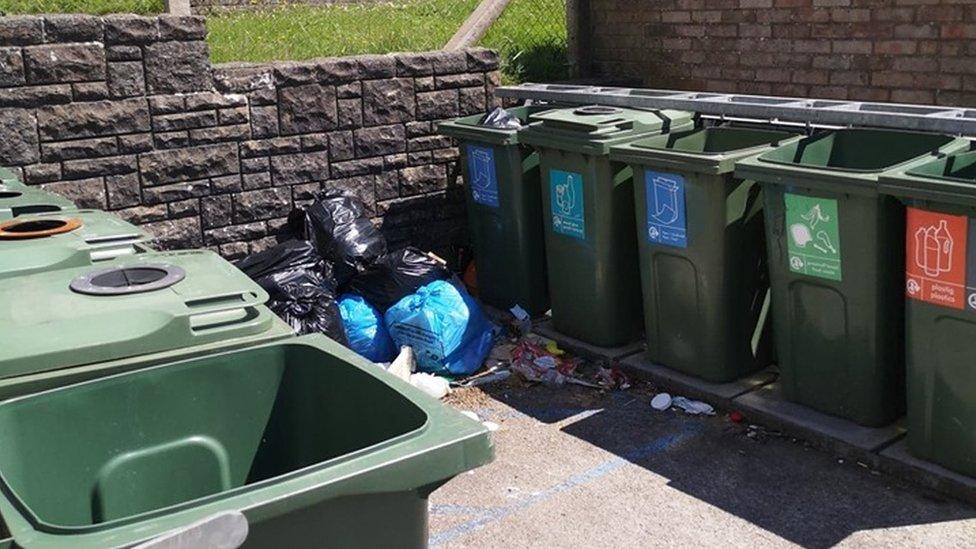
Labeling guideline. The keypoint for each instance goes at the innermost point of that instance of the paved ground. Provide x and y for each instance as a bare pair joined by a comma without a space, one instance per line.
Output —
578,468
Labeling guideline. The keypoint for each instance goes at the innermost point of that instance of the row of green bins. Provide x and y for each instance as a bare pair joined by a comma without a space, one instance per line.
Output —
187,398
19,200
701,240
835,255
588,212
41,242
503,201
940,290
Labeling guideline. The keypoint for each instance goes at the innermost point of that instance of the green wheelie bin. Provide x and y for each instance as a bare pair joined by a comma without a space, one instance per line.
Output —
940,307
42,242
9,180
74,324
836,249
20,200
315,446
503,201
702,250
588,210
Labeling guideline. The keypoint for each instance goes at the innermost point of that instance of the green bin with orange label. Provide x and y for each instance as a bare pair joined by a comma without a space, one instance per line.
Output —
835,247
940,307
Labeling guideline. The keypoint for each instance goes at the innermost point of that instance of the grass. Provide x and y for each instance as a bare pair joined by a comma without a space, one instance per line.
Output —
96,7
531,36
300,32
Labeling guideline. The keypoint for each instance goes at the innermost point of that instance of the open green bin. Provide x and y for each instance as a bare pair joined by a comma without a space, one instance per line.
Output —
504,202
702,250
74,324
940,307
42,242
835,259
20,200
314,445
588,209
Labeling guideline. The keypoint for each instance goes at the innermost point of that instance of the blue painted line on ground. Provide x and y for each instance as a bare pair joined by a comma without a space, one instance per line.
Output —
492,515
452,509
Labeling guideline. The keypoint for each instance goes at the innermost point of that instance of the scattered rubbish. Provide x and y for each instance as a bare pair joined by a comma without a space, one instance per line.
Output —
534,361
397,275
523,321
493,374
404,364
300,286
519,313
554,349
501,119
445,326
340,228
664,401
491,425
693,407
661,402
365,329
613,377
736,416
434,386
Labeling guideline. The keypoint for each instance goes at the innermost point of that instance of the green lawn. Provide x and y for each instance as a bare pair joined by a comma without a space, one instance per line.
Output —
301,32
531,36
98,7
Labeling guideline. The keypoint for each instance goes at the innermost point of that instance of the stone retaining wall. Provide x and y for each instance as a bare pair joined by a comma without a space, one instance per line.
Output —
126,113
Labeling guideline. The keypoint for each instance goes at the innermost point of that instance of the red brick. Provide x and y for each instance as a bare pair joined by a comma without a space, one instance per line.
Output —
895,47
852,46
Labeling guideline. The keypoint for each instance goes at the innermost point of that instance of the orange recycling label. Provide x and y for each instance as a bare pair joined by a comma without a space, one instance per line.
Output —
935,260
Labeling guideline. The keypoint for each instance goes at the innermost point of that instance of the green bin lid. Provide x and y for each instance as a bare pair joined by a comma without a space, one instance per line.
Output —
9,179
849,160
469,128
24,200
950,179
42,242
147,303
704,150
593,129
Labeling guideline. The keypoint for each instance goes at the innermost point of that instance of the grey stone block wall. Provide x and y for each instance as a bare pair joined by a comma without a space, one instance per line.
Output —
125,113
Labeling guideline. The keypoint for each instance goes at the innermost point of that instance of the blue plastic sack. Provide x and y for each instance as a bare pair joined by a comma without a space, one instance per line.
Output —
365,330
449,333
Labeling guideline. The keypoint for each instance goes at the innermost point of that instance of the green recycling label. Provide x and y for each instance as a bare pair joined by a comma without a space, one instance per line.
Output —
813,235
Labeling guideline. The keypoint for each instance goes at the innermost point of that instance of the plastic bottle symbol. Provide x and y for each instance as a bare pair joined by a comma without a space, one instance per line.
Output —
933,249
482,169
665,201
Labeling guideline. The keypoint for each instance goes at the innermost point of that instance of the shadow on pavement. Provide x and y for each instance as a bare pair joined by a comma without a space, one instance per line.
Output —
798,493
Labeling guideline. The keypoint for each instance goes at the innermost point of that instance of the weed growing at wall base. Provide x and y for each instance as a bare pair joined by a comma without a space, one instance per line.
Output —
97,7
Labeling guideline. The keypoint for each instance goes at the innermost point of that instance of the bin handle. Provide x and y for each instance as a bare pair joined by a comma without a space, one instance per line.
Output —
226,530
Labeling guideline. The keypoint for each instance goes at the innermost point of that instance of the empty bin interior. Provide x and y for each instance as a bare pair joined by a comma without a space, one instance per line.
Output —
114,448
961,167
721,140
857,150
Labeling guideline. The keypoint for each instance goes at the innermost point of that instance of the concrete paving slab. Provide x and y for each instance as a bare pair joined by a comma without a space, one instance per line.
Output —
716,394
897,460
767,405
576,467
583,349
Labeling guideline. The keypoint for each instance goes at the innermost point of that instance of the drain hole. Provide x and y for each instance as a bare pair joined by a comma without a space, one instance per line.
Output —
10,194
36,225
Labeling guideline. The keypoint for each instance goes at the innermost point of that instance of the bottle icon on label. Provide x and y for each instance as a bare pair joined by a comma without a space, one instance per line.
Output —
566,196
933,249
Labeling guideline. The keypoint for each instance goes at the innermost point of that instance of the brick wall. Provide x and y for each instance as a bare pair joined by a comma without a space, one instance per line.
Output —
126,113
914,51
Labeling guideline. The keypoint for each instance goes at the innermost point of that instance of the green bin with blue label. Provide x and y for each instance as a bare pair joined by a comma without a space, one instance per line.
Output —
702,250
588,211
836,253
504,201
19,200
940,307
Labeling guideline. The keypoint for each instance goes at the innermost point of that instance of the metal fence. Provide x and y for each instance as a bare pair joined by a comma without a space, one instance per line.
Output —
531,36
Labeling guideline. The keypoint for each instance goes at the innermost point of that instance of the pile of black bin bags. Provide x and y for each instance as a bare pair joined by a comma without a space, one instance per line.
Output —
335,250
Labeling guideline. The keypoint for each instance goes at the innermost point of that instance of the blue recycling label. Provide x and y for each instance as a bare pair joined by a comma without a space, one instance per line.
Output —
666,221
481,170
566,198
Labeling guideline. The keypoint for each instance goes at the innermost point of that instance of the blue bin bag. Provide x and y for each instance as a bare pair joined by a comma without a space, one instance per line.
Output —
449,333
365,329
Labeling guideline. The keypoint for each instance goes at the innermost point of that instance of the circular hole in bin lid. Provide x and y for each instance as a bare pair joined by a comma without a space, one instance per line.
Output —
128,279
597,109
17,229
10,194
